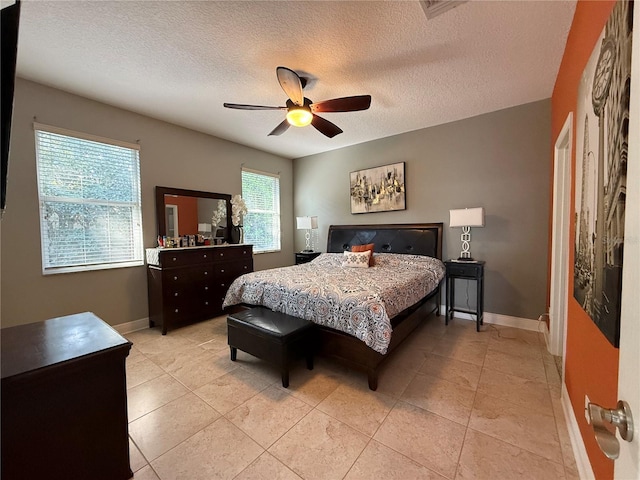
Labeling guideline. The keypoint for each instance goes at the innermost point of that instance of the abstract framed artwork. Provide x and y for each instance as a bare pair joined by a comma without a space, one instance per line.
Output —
602,134
378,189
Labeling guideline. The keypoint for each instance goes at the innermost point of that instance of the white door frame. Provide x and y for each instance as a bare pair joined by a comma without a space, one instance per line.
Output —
556,336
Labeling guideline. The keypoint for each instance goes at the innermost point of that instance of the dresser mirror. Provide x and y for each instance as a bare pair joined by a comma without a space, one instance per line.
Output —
182,212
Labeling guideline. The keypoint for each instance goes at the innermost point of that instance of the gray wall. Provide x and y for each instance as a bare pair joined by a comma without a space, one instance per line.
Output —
170,156
499,161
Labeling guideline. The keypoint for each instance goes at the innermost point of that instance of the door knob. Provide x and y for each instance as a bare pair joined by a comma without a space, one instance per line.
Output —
620,417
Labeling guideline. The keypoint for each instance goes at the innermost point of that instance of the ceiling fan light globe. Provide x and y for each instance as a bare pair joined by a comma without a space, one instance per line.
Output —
299,117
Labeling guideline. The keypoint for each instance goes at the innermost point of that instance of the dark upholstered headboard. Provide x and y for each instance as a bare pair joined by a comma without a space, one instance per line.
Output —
409,238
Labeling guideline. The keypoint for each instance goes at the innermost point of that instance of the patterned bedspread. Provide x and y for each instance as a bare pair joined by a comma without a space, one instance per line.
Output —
357,301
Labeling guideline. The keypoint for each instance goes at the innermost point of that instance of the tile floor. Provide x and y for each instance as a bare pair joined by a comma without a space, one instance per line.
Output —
451,404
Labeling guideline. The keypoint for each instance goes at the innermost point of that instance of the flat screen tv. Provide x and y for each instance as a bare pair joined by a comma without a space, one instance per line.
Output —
9,43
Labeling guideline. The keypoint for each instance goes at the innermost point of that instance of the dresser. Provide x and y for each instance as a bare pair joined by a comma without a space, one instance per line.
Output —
64,400
187,285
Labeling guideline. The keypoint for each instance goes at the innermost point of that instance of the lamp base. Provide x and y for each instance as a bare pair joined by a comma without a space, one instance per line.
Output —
307,251
466,259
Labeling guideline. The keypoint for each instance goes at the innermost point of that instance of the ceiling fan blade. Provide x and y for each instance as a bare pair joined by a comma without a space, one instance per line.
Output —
291,84
325,126
344,104
281,128
240,106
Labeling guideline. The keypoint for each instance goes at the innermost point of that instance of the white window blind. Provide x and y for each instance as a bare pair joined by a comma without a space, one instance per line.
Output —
89,194
261,193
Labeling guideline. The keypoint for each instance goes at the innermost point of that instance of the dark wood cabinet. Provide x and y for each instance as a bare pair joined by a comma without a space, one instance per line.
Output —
465,270
305,257
64,400
189,284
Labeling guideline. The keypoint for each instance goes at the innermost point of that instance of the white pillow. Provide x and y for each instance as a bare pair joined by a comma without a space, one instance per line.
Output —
356,259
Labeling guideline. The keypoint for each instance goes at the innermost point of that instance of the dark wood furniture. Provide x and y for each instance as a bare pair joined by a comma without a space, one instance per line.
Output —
305,257
189,284
272,336
415,238
466,270
64,400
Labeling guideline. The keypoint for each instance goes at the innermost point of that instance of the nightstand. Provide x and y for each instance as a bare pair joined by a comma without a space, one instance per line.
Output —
304,257
466,270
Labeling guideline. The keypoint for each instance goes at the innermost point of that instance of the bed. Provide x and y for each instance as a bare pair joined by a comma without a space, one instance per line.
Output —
362,314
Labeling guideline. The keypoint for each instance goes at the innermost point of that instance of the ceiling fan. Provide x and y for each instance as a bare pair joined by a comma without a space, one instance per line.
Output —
301,111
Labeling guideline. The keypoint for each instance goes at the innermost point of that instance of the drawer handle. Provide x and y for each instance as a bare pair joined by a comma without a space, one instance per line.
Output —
205,255
223,285
222,270
206,303
176,310
175,278
206,273
245,267
206,288
174,259
175,294
222,254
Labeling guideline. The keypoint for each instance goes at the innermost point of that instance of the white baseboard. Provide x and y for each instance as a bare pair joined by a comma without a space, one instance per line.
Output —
123,328
579,451
499,319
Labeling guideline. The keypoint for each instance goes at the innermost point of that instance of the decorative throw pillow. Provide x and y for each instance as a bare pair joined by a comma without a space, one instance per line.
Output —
363,248
356,259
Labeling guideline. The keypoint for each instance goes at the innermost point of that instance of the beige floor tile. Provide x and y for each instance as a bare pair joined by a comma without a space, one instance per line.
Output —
220,451
145,473
510,333
150,395
142,371
484,457
267,467
171,360
230,390
571,473
199,372
518,390
216,344
440,397
406,357
312,386
164,428
524,367
319,447
429,439
136,459
393,381
358,407
268,372
455,371
380,462
268,416
135,356
462,349
515,346
551,371
145,335
519,426
164,343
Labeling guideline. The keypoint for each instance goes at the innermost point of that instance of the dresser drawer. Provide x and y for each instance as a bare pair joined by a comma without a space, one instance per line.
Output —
470,270
178,258
232,269
232,253
185,276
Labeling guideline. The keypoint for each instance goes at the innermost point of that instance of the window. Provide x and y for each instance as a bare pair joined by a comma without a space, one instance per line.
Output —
261,193
89,194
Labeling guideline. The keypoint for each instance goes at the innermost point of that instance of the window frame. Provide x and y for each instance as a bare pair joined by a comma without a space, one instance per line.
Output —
278,205
137,239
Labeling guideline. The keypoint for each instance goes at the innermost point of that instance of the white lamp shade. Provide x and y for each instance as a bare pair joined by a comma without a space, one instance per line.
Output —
467,217
204,227
306,223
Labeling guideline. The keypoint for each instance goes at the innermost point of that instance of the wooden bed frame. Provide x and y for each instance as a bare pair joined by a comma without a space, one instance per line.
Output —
413,238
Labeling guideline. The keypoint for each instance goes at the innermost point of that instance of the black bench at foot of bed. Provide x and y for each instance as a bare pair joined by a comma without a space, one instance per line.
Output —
272,336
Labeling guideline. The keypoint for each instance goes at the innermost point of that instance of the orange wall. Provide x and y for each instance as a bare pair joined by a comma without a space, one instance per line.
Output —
591,361
187,214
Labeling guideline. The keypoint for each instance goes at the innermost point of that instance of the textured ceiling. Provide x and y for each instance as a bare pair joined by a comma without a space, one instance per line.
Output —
179,61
